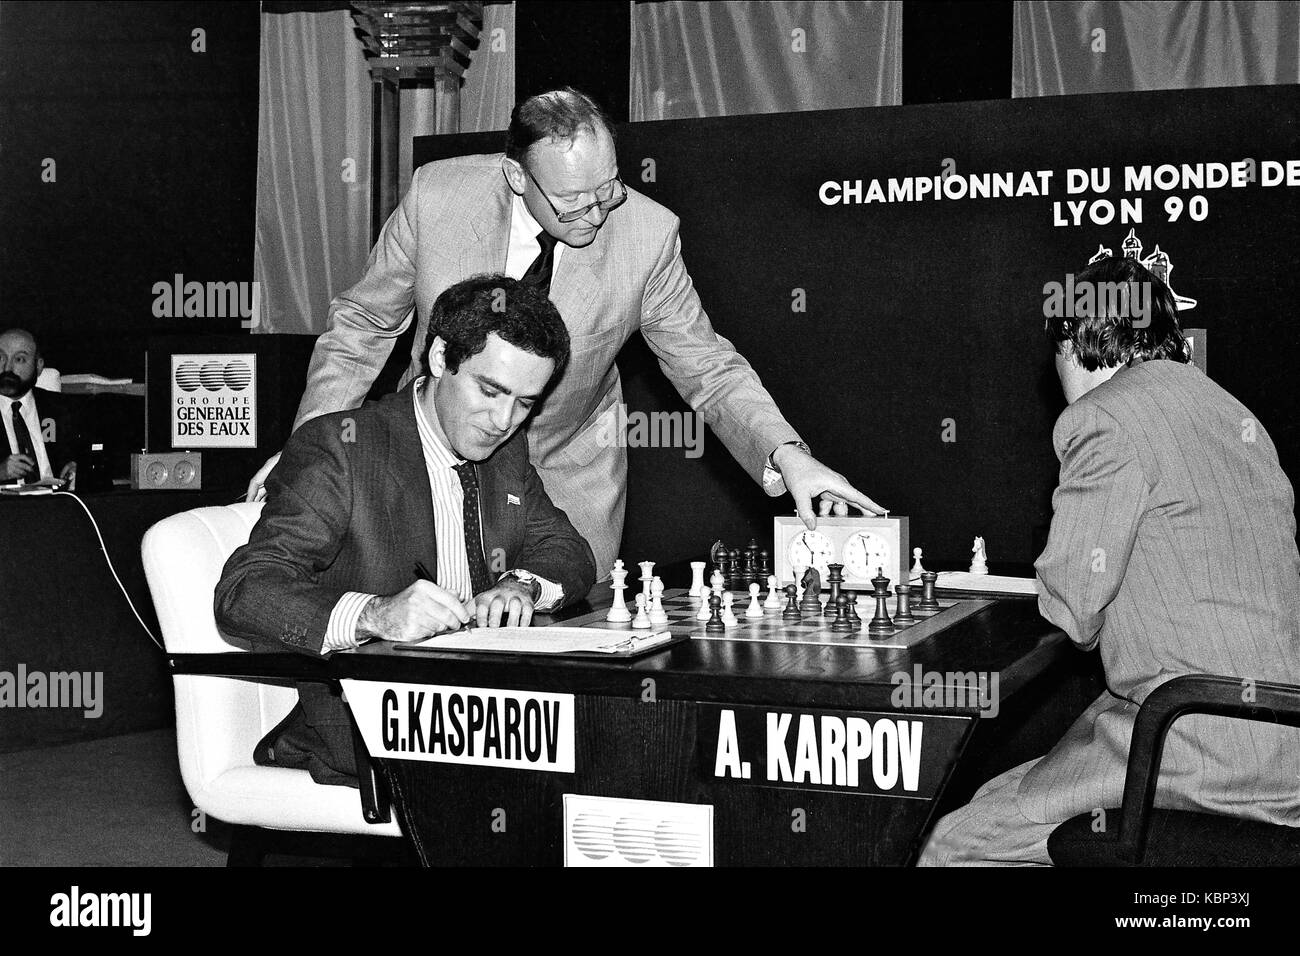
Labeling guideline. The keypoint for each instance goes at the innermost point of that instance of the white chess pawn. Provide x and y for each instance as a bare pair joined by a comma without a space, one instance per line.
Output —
773,602
798,581
657,613
728,613
618,612
755,609
697,579
916,563
642,619
703,614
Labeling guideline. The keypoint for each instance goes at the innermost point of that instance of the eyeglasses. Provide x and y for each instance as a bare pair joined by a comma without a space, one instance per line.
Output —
615,189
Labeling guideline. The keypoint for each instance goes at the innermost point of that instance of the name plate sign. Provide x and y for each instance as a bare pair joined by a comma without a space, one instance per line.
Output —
464,725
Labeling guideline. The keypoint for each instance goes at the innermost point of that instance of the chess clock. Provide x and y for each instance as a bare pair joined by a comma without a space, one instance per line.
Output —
862,544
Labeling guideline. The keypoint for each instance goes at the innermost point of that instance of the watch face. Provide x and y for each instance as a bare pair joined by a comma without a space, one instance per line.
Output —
811,549
865,554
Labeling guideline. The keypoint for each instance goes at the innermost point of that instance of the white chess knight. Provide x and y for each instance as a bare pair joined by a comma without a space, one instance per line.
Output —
979,560
618,612
755,609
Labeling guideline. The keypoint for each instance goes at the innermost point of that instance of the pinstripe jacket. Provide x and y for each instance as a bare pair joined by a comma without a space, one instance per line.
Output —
1172,550
454,223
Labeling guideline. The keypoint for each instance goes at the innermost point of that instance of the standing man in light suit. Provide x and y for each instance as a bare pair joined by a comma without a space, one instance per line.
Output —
554,211
1172,551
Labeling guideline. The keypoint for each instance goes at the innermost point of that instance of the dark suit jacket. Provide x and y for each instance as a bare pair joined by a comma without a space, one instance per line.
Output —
65,439
348,508
1172,550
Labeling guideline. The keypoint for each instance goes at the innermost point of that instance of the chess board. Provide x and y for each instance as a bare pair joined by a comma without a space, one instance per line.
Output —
773,629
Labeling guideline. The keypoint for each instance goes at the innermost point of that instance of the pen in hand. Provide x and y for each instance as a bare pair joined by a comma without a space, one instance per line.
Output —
422,573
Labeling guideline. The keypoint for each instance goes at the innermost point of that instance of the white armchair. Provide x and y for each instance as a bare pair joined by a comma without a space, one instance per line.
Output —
219,720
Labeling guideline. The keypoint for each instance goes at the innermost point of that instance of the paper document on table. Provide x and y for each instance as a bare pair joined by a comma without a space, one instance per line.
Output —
965,581
544,640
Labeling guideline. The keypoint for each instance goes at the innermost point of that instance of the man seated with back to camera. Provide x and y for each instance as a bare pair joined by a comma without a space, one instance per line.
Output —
39,429
1172,550
434,480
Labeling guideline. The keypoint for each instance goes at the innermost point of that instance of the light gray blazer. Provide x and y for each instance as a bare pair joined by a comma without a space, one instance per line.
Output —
454,223
1172,550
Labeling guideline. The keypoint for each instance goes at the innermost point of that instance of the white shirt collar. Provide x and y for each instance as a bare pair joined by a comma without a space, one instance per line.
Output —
435,449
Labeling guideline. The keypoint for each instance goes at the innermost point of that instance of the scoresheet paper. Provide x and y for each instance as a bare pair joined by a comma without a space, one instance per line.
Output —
965,581
546,640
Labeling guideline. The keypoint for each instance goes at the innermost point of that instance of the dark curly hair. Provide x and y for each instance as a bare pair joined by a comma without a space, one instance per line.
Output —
1109,337
520,313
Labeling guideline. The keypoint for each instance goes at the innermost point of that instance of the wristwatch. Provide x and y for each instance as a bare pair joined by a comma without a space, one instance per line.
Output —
527,579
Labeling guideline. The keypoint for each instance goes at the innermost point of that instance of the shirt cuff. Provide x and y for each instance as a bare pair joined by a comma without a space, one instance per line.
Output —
551,596
341,632
773,483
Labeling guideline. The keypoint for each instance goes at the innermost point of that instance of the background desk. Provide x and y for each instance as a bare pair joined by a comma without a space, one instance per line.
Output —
60,609
628,747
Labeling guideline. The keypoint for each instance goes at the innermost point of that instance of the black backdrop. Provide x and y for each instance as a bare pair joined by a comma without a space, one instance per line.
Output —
918,313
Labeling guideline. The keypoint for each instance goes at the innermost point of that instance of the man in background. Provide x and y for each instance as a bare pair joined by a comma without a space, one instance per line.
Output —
1172,551
38,425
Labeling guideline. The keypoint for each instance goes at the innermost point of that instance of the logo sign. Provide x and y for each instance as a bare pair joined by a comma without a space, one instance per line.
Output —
214,401
466,725
895,754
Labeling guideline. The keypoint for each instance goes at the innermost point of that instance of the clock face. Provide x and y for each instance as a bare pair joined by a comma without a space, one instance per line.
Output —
865,553
811,549
156,473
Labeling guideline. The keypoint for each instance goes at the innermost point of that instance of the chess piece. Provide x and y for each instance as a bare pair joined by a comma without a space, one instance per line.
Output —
729,618
811,602
642,619
880,623
755,609
773,603
834,578
928,601
903,609
737,579
979,560
697,579
764,564
703,613
647,575
916,563
716,582
751,562
724,567
791,612
715,624
798,578
657,613
855,622
618,612
842,620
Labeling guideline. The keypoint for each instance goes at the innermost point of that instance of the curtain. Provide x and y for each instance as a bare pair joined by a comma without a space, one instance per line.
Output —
723,59
313,157
313,168
1062,48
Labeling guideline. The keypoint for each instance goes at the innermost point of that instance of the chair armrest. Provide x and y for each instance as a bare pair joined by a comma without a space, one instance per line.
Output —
1189,694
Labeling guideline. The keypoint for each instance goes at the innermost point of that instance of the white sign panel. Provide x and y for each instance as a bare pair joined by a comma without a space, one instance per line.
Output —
214,401
466,725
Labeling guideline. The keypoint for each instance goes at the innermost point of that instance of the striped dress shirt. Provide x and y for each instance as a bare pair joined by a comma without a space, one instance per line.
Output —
449,534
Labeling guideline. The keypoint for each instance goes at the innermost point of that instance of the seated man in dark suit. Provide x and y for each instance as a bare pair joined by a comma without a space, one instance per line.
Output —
39,430
1172,550
432,479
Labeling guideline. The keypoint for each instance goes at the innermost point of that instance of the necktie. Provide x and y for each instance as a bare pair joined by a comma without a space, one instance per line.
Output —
21,435
478,571
539,272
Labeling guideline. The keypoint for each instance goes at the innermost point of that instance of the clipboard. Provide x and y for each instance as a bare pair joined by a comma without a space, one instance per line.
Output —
590,643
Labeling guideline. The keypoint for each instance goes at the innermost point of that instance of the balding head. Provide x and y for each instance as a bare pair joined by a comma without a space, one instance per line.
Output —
20,362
